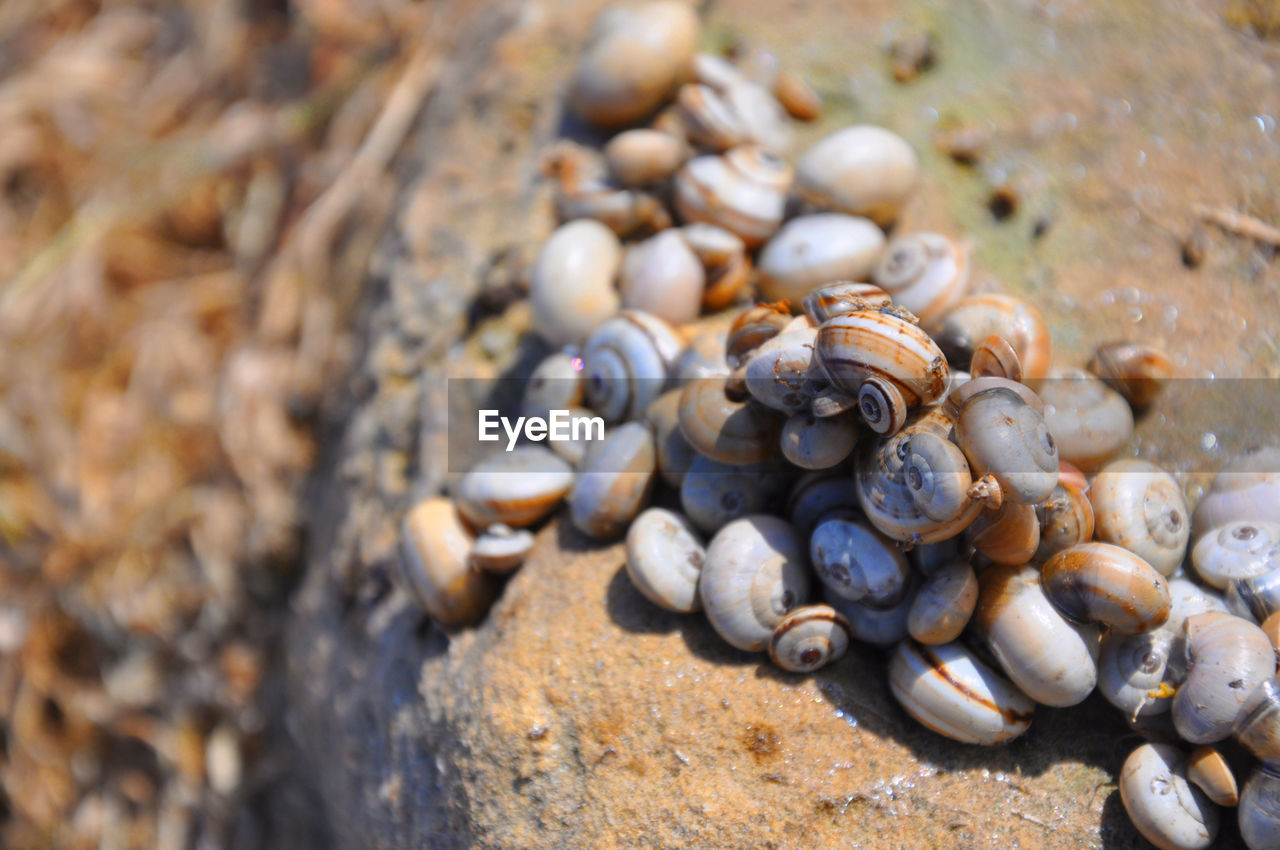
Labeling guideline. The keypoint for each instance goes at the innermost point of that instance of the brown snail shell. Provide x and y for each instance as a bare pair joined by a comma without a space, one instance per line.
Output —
1101,583
1008,535
516,488
809,637
927,273
635,55
995,358
729,431
724,262
614,483
1089,421
841,297
1066,519
1209,771
1136,371
641,157
1139,506
797,96
436,569
811,250
859,170
744,191
753,328
975,317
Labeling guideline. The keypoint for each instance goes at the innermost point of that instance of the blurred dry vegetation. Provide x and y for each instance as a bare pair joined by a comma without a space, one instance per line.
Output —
189,192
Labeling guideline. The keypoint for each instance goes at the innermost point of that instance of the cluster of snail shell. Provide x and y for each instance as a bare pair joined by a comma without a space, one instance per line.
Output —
823,470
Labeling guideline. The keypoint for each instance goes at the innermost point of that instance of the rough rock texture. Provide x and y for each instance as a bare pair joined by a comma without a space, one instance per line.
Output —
578,715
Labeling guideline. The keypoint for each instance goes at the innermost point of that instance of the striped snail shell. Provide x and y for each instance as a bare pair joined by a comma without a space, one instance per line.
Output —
1247,488
927,273
1168,810
1102,583
948,689
435,565
884,360
625,364
614,482
1258,725
665,556
1066,518
744,191
724,429
859,170
841,297
1051,659
755,574
674,454
975,317
1255,598
809,637
1259,809
1228,659
1089,421
815,249
500,548
571,286
753,327
944,604
1242,549
995,358
724,263
664,278
709,119
1139,506
1136,371
516,488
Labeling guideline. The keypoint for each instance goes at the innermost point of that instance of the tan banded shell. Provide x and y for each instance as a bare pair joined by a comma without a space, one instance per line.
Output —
1102,583
810,637
856,346
436,566
516,488
725,430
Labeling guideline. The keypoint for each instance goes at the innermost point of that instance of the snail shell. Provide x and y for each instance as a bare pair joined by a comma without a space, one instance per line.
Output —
1235,551
703,357
855,348
883,493
726,430
1101,583
1066,518
635,56
1140,507
818,495
927,273
859,170
810,637
762,118
724,262
571,287
938,476
709,119
856,562
1004,436
500,548
928,558
975,317
1051,659
753,328
1009,534
797,96
1132,670
777,372
1247,488
1258,726
435,567
813,443
841,297
663,277
674,454
614,483
995,358
1228,658
1271,626
516,488
641,157
1209,771
744,191
948,689
625,364
713,494
944,604
554,384
815,249
665,556
716,71
878,625
755,575
624,211
1138,372
1168,810
1259,810
1089,421
584,427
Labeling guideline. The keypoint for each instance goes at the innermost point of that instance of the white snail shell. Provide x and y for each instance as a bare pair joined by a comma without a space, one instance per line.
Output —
554,384
635,55
944,604
1259,809
878,625
927,273
665,556
571,287
1051,659
703,357
1168,810
1102,583
1228,659
1241,549
1005,437
614,482
663,277
516,488
937,475
713,494
1247,488
435,567
625,364
744,191
809,637
641,157
1139,506
818,443
1132,669
1089,421
856,562
815,249
859,170
948,689
778,371
500,548
754,576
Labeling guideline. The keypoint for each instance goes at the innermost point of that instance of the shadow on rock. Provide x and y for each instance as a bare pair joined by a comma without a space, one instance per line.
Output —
630,610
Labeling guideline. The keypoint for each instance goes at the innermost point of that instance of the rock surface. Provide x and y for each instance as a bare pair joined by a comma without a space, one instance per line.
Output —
578,714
